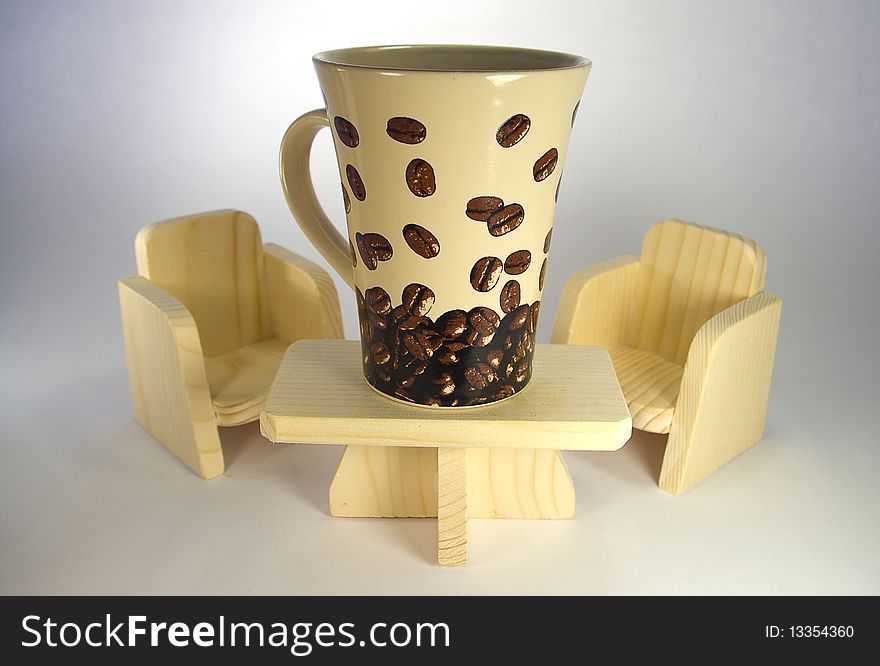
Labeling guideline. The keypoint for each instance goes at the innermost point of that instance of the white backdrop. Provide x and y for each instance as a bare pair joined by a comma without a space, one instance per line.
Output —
757,117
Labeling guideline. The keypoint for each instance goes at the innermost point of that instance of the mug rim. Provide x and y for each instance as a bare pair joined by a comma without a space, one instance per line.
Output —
353,57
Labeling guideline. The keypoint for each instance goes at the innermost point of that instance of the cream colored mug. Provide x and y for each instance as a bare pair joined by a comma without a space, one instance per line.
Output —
450,159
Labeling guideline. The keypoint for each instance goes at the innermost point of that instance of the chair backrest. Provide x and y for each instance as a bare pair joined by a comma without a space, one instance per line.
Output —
687,274
212,263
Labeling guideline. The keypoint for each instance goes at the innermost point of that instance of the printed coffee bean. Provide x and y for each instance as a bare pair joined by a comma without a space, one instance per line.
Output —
354,256
518,318
447,356
494,358
345,200
452,324
420,178
504,392
421,344
421,241
545,164
445,383
485,273
417,299
378,300
541,276
406,130
513,130
376,322
517,262
575,112
504,220
480,376
481,208
534,310
547,241
558,184
356,183
509,298
373,248
347,132
380,353
405,320
483,323
522,371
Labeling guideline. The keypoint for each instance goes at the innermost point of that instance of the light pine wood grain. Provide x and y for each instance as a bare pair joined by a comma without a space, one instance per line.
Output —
302,297
452,506
399,482
595,303
650,384
722,405
573,401
687,274
680,296
519,483
213,264
385,482
166,371
239,306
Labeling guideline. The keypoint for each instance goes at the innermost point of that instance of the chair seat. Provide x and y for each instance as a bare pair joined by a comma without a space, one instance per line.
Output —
239,380
650,385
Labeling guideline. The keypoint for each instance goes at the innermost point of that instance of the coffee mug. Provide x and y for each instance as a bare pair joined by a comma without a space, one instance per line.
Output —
450,159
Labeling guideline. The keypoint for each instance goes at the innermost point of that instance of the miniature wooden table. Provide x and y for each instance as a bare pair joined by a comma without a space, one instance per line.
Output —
496,461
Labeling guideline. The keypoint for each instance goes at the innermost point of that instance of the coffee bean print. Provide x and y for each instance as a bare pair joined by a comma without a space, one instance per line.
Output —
479,376
504,220
373,248
485,273
421,241
545,165
517,262
519,316
452,324
481,208
541,275
558,184
421,344
356,183
575,112
377,300
513,130
417,299
547,241
420,178
445,382
406,130
354,256
533,316
345,200
471,358
483,325
510,294
404,319
379,352
346,132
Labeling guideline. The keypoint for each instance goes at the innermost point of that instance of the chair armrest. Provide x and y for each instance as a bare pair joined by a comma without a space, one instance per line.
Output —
302,297
595,304
722,404
169,386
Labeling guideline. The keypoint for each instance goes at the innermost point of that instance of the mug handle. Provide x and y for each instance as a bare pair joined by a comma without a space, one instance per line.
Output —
296,181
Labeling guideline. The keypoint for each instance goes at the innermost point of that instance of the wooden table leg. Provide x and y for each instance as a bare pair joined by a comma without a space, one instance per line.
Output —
452,491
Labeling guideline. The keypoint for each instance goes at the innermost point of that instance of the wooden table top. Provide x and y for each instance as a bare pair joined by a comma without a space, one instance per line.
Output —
572,402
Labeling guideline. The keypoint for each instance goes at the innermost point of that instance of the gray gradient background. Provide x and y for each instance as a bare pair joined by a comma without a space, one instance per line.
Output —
758,117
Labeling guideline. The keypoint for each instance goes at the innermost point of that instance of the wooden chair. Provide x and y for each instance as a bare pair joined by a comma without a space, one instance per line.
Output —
206,322
692,336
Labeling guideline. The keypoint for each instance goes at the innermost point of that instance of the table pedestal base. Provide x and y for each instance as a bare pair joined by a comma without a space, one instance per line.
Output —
399,482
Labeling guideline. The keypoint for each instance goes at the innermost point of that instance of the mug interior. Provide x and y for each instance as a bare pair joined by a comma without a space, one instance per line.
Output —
451,58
